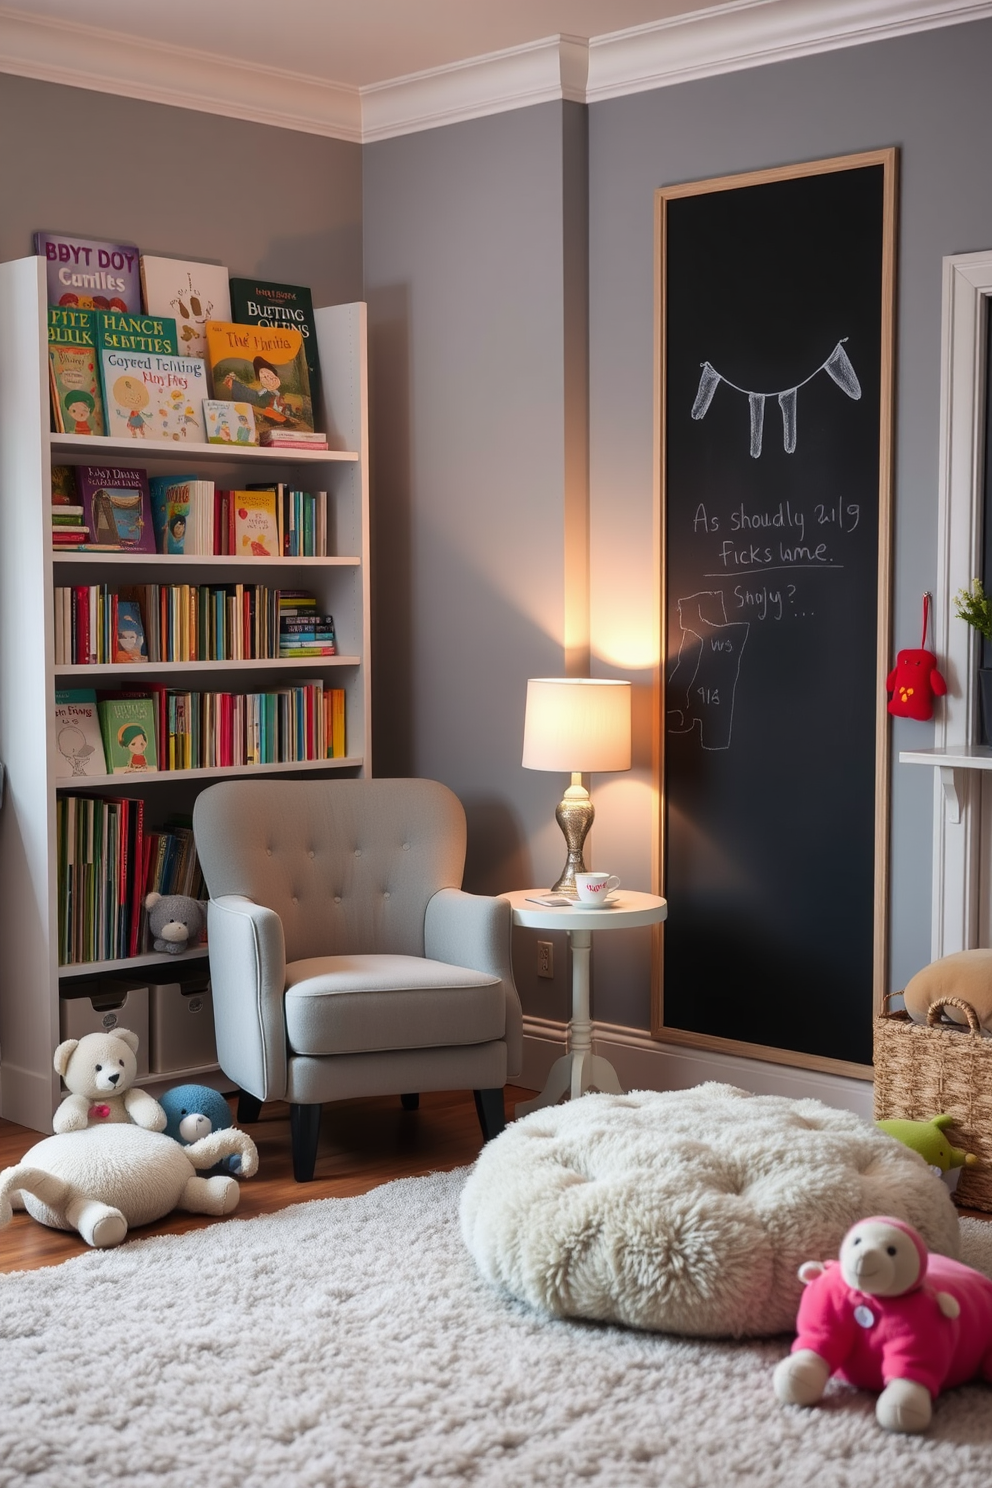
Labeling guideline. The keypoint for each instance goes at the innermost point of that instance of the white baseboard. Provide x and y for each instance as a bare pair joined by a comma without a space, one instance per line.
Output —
644,1064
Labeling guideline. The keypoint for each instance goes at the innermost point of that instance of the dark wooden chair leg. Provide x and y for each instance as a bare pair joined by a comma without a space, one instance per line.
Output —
492,1116
410,1102
304,1126
249,1107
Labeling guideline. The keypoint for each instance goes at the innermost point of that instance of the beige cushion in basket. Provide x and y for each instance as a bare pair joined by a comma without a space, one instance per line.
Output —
966,974
688,1211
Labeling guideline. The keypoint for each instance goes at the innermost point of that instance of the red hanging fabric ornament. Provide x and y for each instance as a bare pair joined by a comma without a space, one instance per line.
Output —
914,681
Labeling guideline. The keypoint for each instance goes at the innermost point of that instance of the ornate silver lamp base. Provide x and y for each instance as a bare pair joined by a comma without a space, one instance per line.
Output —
574,814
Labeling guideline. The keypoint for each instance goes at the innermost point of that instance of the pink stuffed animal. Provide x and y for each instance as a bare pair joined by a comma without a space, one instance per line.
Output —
889,1317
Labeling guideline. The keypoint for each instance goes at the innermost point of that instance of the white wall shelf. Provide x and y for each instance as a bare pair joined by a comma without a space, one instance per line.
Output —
175,564
132,963
213,772
80,671
949,762
99,450
29,574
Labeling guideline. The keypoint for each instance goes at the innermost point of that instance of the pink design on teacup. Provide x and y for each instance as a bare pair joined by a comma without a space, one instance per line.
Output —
596,888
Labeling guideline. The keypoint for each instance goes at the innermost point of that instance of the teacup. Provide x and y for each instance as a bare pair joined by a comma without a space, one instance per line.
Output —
594,889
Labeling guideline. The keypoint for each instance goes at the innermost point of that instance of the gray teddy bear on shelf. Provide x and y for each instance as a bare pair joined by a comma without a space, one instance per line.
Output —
176,921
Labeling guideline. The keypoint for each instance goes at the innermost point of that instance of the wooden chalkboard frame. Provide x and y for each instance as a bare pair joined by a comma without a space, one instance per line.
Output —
887,159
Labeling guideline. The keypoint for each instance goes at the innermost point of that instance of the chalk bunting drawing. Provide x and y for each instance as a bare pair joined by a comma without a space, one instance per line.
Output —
837,366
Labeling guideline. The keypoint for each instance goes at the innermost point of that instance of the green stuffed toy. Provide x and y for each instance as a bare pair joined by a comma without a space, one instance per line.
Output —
928,1139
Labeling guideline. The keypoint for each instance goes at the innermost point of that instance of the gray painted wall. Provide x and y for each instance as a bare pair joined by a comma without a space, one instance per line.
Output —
261,201
929,95
463,265
465,270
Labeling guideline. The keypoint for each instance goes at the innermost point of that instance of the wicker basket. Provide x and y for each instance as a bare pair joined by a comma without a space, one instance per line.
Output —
925,1069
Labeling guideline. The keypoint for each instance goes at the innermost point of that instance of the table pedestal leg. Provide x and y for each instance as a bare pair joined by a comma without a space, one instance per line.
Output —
580,1068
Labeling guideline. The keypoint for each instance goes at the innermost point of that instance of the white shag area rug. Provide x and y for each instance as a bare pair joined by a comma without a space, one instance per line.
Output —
686,1211
351,1343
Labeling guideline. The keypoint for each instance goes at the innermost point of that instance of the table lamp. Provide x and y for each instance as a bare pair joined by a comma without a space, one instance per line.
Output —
580,725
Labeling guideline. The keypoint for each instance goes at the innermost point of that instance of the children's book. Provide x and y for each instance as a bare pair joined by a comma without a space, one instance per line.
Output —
116,508
128,727
192,293
229,423
256,530
116,331
64,492
257,302
170,498
129,642
264,366
73,371
90,274
148,397
78,741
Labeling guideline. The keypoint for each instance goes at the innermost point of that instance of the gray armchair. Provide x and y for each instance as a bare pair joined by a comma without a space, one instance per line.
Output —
345,959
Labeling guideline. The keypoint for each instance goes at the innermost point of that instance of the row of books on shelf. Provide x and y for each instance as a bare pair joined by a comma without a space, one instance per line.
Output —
150,348
160,728
97,626
107,863
114,509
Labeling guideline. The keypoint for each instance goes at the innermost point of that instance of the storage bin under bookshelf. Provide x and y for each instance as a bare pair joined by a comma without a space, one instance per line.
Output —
29,572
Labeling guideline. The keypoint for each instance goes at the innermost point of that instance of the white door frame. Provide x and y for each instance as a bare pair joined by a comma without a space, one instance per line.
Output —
960,918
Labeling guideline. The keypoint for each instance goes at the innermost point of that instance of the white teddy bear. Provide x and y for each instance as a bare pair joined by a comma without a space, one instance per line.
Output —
99,1070
105,1180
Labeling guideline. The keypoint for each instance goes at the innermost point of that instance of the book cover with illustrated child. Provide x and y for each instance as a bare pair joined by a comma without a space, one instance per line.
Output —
129,644
229,423
78,741
170,498
116,508
191,293
89,273
73,371
265,366
128,728
256,528
150,397
260,302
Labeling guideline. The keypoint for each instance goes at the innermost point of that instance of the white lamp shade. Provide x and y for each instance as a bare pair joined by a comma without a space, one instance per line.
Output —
577,724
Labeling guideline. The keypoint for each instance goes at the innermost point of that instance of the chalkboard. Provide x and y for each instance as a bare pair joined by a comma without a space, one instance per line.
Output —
775,316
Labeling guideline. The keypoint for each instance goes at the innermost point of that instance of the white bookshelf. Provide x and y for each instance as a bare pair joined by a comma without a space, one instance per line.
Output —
29,573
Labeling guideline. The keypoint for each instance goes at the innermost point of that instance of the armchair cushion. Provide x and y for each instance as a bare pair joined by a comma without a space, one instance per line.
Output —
364,1004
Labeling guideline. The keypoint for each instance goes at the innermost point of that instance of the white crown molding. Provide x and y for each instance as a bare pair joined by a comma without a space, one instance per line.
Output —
106,62
542,71
734,36
749,33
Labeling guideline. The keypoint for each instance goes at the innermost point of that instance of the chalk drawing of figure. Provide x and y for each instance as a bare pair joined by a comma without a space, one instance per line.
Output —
703,685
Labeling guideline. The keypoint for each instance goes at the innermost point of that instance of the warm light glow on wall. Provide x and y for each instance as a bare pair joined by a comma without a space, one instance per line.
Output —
624,633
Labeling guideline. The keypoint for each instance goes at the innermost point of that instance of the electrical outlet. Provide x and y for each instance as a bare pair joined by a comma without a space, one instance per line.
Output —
545,958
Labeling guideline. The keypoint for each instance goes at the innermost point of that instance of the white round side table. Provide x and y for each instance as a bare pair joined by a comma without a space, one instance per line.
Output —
579,1069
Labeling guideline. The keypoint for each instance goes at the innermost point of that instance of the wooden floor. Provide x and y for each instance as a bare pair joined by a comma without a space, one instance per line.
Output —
362,1143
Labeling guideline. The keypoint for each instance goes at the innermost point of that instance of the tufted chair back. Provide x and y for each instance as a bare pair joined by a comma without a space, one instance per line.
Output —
348,865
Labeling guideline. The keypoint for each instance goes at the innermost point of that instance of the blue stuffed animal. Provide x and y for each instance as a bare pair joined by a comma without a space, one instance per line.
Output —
194,1111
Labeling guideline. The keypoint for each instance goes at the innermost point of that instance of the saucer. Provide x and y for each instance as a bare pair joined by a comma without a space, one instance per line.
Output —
611,902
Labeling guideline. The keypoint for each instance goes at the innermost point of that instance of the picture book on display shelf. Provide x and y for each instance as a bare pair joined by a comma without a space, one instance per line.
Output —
265,367
78,740
259,302
191,293
148,334
127,722
116,508
150,397
73,372
229,423
89,273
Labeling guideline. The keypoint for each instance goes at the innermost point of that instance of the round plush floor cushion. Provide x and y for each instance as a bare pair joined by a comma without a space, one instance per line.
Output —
688,1211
